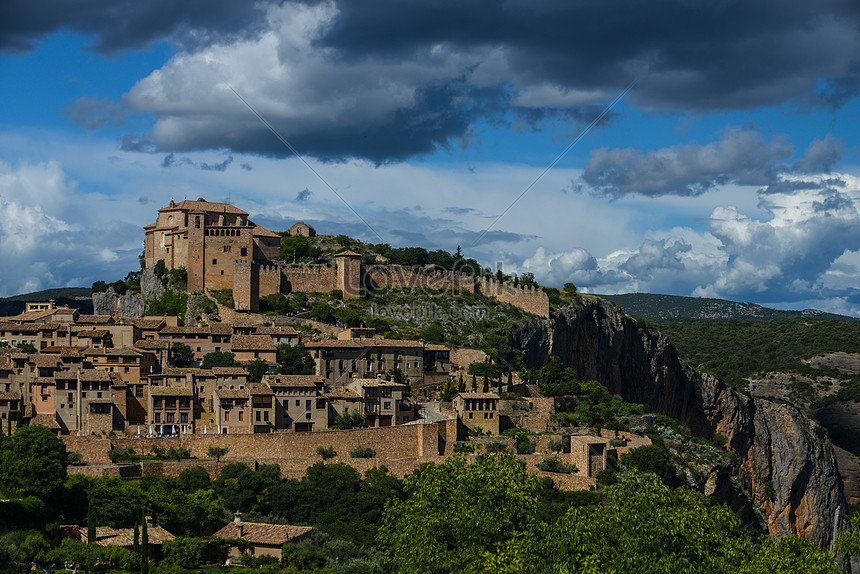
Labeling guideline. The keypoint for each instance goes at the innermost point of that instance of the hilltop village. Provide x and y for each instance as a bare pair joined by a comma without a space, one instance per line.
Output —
117,379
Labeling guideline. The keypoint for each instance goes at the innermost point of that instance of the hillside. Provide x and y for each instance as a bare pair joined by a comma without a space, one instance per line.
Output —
77,297
655,306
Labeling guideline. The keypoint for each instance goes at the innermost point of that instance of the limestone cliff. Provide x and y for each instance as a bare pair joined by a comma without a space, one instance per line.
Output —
785,459
108,302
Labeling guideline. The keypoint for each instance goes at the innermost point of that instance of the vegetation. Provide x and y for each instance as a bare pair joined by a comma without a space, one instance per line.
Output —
555,464
181,355
224,297
170,303
326,452
217,452
256,369
362,452
295,360
219,359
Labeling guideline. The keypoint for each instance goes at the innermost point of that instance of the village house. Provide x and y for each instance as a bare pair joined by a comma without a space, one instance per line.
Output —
299,403
340,361
381,402
478,411
171,410
232,411
262,539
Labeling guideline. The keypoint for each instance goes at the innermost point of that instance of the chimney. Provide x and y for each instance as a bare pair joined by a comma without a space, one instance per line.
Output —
149,522
237,517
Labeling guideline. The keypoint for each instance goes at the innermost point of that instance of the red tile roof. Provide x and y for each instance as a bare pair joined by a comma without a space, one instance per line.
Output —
262,534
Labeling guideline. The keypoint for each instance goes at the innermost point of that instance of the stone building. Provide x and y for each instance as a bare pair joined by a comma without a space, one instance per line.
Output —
302,228
207,239
478,411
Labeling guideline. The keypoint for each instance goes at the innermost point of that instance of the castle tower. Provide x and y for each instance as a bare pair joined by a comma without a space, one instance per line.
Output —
196,250
349,274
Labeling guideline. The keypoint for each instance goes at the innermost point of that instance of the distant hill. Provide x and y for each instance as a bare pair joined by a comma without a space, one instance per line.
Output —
77,297
658,307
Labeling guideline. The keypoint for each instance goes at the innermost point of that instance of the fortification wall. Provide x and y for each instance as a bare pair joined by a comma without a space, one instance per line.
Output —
529,299
400,277
317,278
390,443
270,279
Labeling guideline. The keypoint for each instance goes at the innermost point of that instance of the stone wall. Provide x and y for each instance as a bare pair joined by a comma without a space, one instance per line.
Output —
316,278
390,443
271,280
529,299
246,285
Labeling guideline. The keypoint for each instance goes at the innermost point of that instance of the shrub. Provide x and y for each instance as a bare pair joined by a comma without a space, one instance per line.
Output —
464,446
554,464
525,446
556,445
217,452
326,452
495,446
616,442
362,452
120,453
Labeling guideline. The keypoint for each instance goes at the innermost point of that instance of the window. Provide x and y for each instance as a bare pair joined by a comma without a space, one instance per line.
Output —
214,262
197,221
170,417
226,249
307,416
266,415
298,403
243,251
227,416
386,405
258,416
138,391
183,418
158,417
470,415
485,415
241,416
308,404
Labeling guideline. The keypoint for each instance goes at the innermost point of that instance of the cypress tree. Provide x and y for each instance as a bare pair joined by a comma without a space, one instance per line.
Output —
462,387
486,388
510,382
91,526
474,383
136,547
144,549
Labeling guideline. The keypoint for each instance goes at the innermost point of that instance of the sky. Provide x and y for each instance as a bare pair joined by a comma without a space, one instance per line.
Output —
678,147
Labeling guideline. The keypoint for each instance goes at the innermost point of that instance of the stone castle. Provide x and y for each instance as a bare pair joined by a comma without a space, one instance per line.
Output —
222,249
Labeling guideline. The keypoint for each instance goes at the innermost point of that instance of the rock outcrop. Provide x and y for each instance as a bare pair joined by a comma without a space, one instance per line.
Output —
785,460
128,304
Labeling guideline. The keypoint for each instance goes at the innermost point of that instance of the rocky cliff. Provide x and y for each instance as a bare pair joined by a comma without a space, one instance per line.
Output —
785,460
108,302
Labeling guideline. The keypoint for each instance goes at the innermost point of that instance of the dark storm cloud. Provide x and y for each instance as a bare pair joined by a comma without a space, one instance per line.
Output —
117,25
741,156
821,156
690,55
387,80
303,195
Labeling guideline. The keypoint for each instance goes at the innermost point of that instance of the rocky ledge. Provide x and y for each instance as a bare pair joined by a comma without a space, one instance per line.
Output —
785,460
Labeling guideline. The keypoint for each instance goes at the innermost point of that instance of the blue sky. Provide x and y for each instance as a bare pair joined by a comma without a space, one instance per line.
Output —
727,168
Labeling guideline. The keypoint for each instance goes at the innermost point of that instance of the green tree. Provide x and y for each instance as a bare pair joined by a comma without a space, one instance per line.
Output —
256,369
302,556
434,333
510,388
295,360
322,312
181,355
326,452
28,348
449,391
117,454
32,462
455,512
219,359
217,452
349,420
295,248
184,551
462,386
178,452
144,548
486,387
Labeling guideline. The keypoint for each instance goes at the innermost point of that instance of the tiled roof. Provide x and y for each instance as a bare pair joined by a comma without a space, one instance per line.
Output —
229,371
348,253
208,206
64,351
478,395
148,324
46,361
333,344
276,331
46,420
29,329
264,534
342,393
10,395
231,394
94,375
170,392
260,231
294,380
377,383
220,329
107,536
252,343
34,315
95,319
152,344
260,389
